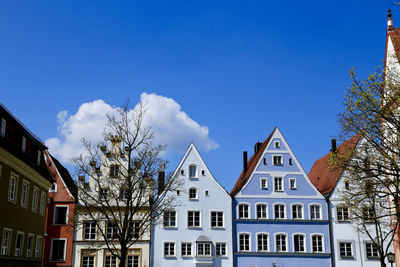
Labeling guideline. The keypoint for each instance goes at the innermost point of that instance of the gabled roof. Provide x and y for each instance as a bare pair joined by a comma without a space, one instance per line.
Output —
251,164
66,177
325,178
394,35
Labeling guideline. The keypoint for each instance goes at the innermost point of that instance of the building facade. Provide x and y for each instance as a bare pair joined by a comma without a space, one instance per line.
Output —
197,231
24,182
60,217
279,217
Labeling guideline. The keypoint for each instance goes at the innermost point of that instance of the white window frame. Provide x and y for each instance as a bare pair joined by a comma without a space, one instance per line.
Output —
294,183
65,250
186,250
90,230
5,248
352,247
88,256
281,160
196,174
322,242
51,190
217,221
24,195
286,242
284,211
29,249
194,226
281,183
340,208
268,243
372,251
304,242
196,191
35,201
113,259
264,183
204,244
13,191
238,237
302,210
216,249
266,210
320,211
38,246
66,215
42,207
169,219
248,210
169,243
21,249
3,127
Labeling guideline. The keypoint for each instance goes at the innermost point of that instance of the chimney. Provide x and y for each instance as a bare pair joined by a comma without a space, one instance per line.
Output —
161,178
244,161
333,144
389,20
257,147
81,180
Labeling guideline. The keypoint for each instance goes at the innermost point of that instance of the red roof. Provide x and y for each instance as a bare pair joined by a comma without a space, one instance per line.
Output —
251,164
325,178
394,35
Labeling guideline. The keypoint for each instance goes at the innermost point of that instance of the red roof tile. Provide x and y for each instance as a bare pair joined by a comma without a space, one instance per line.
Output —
251,164
325,178
394,35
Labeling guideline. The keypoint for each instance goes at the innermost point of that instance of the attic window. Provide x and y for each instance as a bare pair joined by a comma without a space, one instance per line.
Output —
178,192
347,185
277,160
203,172
265,161
206,193
290,161
182,172
53,188
277,144
3,127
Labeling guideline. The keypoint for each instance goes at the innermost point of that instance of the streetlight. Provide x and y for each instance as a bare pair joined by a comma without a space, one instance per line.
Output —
390,257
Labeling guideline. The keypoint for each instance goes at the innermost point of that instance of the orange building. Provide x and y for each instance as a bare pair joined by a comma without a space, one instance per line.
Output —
60,216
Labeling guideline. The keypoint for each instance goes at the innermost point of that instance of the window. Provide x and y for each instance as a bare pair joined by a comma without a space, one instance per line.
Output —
132,261
186,249
24,193
23,145
35,195
279,211
206,193
220,249
193,218
112,230
58,249
261,211
278,184
42,203
29,245
87,261
290,161
134,229
123,194
244,242
372,251
264,183
217,219
114,170
3,127
12,188
192,171
39,155
103,194
347,185
178,192
243,211
89,230
60,215
38,247
110,261
5,241
345,250
19,241
262,242
368,214
315,212
203,172
170,218
192,193
292,183
317,243
342,214
53,188
297,211
182,172
169,249
277,160
299,243
277,144
203,249
280,243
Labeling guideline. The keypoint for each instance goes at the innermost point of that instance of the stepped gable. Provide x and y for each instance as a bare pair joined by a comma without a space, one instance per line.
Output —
325,178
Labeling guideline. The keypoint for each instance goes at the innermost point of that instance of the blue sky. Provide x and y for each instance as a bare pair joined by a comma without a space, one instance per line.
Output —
239,68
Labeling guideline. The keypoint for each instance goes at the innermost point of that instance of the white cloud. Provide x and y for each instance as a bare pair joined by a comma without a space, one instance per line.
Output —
171,125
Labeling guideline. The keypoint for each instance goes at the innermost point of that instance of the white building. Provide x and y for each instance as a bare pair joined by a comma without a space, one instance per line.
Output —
92,229
198,231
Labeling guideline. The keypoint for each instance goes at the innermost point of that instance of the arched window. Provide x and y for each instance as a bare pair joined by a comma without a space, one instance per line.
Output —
297,211
261,211
299,243
279,211
262,242
317,243
281,243
244,242
243,211
315,212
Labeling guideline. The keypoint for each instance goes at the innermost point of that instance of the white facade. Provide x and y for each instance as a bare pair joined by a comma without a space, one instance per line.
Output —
198,230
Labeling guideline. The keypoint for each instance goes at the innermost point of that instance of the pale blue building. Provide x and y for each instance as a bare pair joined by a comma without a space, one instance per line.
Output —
279,218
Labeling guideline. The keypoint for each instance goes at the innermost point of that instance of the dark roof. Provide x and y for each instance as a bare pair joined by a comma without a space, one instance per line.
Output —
69,182
251,164
325,178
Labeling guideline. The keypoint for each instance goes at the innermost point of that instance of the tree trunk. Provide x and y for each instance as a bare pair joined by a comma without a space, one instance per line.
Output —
122,260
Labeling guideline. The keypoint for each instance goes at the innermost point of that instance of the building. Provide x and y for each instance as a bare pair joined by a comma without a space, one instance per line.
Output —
60,217
24,182
279,217
197,231
109,210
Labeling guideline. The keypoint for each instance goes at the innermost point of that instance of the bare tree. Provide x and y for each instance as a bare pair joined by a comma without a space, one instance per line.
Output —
120,199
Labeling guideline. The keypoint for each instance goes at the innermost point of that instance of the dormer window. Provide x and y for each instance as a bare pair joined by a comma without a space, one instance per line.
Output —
277,160
277,144
3,127
23,146
192,193
114,170
192,171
